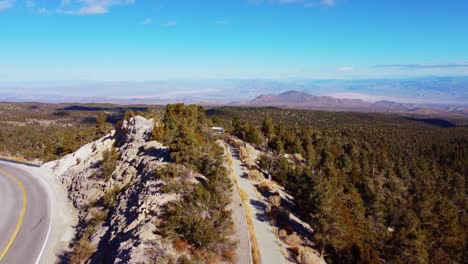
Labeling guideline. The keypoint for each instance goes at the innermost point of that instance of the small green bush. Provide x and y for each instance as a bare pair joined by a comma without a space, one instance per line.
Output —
110,196
109,162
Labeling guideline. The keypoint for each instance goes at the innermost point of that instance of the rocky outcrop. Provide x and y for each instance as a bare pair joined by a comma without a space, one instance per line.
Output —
125,231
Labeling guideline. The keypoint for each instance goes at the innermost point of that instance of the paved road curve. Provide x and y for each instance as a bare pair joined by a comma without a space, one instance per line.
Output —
24,215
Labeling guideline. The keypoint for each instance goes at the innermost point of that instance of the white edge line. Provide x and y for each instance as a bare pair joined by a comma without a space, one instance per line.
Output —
50,191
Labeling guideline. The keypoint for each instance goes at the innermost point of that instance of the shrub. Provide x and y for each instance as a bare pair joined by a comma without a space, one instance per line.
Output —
159,254
229,254
275,200
282,233
81,252
256,175
265,186
184,259
109,162
309,256
280,216
99,216
180,245
198,221
293,240
109,196
175,177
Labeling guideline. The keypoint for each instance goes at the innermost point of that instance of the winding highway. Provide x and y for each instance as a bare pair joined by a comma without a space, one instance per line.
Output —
25,212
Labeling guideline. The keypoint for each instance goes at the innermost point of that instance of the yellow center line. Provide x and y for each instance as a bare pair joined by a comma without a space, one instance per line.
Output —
23,211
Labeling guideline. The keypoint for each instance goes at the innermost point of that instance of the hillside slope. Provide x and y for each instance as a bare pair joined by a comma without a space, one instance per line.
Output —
139,201
119,209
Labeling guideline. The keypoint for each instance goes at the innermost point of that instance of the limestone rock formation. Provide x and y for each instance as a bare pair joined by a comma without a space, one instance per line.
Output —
118,214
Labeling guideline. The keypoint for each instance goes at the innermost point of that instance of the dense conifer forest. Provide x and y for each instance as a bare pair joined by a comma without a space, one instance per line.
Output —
50,131
374,187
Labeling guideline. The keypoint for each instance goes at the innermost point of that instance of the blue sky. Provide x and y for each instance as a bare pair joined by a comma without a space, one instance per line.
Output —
136,40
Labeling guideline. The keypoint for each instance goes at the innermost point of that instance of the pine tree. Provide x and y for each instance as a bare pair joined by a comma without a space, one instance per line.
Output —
268,128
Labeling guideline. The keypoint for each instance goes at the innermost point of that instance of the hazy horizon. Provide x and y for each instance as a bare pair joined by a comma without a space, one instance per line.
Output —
417,90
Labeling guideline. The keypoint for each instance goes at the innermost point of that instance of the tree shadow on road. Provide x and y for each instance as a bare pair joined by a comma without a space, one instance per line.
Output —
261,210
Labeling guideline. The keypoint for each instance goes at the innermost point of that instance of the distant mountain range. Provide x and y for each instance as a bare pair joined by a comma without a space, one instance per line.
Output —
445,91
303,100
419,96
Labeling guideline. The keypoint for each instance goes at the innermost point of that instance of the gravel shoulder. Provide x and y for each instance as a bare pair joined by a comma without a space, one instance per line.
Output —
64,217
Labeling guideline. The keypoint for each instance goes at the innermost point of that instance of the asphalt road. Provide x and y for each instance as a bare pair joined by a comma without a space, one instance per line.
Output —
24,215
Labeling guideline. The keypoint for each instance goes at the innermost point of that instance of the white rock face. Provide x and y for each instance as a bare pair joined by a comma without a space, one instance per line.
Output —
74,170
129,230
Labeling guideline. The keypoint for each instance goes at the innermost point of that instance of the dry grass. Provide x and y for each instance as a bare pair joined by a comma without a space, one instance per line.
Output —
293,240
228,155
307,255
111,195
253,239
81,252
282,233
266,186
14,158
229,255
244,197
213,259
255,175
99,215
180,245
244,152
275,200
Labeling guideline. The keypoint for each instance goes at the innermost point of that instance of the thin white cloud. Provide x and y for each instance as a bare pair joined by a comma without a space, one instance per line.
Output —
170,24
86,10
345,69
289,1
425,66
328,2
44,11
6,4
30,4
147,21
65,2
306,3
90,7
